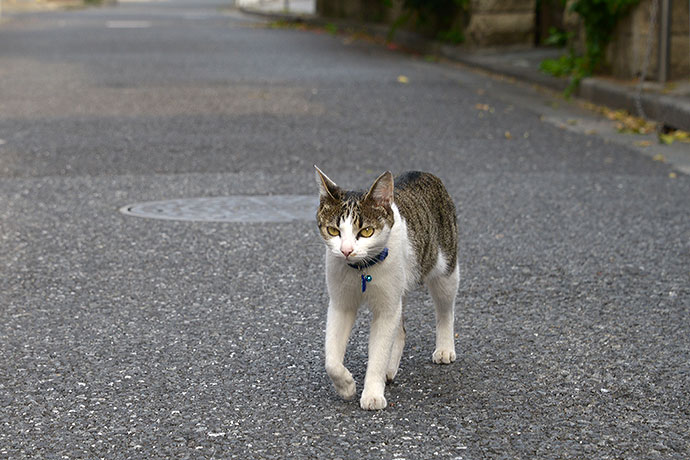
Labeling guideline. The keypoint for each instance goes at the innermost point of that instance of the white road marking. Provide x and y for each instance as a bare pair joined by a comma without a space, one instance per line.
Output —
128,24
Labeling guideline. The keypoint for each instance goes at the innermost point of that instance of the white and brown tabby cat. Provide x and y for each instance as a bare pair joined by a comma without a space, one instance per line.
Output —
381,243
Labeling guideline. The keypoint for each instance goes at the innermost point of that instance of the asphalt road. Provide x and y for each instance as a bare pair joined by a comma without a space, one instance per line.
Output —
126,337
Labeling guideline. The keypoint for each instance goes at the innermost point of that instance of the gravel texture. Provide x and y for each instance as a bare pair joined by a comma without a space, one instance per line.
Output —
126,337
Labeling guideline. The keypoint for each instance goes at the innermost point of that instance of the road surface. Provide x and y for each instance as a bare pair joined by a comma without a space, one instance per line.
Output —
131,337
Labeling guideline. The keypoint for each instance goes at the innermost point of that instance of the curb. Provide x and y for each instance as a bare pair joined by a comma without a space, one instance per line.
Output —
665,109
278,15
407,39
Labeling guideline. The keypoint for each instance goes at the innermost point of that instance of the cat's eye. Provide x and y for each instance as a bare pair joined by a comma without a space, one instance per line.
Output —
333,231
366,232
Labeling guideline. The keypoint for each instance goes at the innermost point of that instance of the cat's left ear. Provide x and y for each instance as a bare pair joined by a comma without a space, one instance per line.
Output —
382,190
326,186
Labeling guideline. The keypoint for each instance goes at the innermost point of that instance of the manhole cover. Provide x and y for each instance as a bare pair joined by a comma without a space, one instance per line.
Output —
239,208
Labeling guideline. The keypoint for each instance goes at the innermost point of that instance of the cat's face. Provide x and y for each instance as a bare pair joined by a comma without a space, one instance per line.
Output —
355,225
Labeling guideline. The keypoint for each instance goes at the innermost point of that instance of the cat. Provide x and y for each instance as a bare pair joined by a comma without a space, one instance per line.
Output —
380,244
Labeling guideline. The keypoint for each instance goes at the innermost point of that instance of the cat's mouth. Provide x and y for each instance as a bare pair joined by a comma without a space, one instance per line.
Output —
351,258
355,258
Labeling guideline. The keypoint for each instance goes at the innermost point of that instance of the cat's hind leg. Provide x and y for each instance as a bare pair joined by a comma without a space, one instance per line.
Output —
339,324
443,289
396,351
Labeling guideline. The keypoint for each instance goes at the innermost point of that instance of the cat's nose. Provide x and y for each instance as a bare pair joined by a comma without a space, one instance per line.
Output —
346,251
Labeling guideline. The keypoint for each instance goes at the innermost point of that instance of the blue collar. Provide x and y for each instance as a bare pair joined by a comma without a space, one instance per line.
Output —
370,262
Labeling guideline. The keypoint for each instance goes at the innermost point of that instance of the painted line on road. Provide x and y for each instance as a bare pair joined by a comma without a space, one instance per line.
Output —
128,24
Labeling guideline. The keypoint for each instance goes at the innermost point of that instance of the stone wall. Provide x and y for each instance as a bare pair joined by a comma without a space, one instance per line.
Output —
359,10
501,23
495,23
491,22
626,53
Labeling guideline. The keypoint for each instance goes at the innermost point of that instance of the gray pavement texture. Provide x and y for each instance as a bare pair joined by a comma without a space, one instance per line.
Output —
125,337
668,104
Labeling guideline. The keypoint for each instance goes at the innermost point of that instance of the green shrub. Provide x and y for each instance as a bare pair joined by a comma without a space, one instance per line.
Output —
599,18
435,17
557,37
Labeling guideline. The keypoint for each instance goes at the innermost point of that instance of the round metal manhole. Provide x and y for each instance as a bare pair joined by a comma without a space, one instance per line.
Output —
238,208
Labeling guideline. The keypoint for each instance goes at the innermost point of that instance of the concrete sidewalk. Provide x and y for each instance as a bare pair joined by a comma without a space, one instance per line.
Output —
667,104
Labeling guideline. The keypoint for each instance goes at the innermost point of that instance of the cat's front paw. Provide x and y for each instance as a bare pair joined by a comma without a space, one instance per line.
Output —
443,356
373,402
346,389
342,380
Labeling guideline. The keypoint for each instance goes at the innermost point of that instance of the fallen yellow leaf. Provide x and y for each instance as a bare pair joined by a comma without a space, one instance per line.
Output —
667,138
403,79
672,175
484,107
675,135
643,143
627,123
659,157
683,136
508,135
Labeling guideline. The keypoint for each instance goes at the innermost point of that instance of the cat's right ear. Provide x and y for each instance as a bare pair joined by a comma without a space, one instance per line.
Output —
327,188
382,190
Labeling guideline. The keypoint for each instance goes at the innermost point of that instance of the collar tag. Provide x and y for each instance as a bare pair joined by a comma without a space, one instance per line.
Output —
365,279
